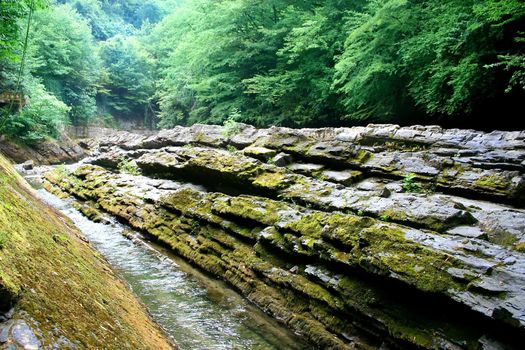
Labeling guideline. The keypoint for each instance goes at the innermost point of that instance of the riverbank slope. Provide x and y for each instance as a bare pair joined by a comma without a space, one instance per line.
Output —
55,290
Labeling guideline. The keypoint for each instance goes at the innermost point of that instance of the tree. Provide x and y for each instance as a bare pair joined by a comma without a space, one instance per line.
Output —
42,117
63,55
212,48
426,58
299,88
128,85
11,13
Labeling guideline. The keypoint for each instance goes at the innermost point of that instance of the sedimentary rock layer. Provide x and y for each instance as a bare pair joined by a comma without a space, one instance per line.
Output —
357,237
458,161
63,150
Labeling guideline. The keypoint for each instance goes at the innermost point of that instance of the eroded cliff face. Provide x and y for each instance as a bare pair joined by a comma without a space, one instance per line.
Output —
56,292
63,150
364,237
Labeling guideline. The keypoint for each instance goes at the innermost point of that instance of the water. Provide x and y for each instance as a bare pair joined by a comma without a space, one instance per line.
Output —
198,312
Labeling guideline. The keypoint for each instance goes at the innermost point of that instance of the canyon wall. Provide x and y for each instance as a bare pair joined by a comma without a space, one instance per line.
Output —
367,237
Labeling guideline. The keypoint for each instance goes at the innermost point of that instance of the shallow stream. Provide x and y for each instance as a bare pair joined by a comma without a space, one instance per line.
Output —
197,311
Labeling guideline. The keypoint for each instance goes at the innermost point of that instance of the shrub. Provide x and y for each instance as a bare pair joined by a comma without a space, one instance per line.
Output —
128,166
410,185
231,127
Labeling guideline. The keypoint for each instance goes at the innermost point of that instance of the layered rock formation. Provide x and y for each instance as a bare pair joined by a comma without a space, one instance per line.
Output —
56,292
63,150
365,237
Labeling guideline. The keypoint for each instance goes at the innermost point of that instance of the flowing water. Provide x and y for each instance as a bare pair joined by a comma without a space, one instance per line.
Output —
197,311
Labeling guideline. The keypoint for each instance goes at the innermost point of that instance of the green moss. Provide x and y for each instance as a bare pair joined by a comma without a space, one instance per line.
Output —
10,288
55,190
318,175
520,246
362,156
271,180
61,283
91,212
309,225
255,209
494,183
503,238
3,239
199,137
424,268
449,174
199,227
304,286
261,153
232,167
182,200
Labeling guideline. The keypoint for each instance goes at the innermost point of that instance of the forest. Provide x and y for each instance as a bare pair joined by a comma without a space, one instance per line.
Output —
162,63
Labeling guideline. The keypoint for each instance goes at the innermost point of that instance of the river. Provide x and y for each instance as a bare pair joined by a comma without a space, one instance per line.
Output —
197,311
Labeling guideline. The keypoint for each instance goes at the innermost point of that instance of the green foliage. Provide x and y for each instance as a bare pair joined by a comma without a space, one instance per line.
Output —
298,87
513,63
384,217
128,166
410,184
230,128
61,170
110,18
334,62
426,55
42,117
11,13
128,85
63,55
277,62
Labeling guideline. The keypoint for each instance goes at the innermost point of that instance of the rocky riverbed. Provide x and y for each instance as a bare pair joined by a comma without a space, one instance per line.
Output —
367,237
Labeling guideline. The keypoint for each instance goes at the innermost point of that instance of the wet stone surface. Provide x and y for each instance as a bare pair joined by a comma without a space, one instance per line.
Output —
16,334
